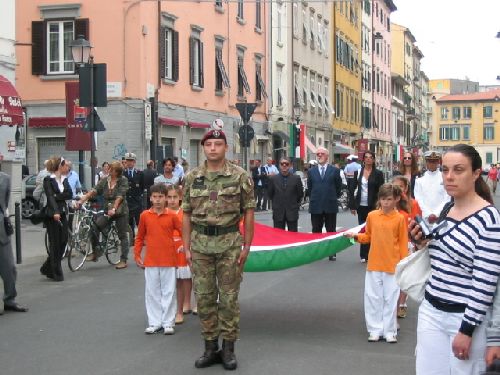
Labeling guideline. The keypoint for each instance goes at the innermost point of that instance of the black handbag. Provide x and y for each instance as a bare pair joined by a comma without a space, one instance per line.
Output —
9,228
39,216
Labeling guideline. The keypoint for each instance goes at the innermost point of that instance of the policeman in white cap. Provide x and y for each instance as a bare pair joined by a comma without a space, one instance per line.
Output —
136,190
429,189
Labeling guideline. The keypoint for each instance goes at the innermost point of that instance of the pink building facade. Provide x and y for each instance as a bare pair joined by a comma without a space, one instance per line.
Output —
380,133
198,59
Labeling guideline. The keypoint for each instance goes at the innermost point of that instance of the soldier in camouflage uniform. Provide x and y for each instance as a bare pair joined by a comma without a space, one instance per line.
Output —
216,196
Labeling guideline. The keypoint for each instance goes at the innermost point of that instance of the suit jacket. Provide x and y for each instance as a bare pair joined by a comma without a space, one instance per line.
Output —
136,189
149,178
4,203
262,177
323,192
375,181
56,200
286,200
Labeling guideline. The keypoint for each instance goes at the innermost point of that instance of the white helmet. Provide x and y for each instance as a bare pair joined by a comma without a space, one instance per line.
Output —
313,162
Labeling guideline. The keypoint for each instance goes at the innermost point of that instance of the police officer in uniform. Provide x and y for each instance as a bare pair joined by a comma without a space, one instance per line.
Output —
217,195
135,192
429,189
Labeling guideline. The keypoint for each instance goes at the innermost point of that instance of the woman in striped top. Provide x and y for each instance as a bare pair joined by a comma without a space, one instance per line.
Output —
465,265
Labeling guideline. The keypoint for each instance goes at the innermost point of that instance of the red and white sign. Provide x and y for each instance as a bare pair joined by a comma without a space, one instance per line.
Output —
11,108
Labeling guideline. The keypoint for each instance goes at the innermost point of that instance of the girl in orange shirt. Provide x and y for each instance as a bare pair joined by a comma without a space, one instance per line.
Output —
409,208
184,281
387,233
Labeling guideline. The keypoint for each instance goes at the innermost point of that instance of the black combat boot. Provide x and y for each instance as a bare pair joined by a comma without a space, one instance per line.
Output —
227,355
210,356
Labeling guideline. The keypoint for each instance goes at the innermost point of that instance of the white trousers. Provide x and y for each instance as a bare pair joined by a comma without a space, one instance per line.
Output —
435,333
381,299
161,302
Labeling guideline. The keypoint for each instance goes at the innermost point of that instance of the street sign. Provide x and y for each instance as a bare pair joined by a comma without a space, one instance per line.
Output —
246,134
246,110
148,120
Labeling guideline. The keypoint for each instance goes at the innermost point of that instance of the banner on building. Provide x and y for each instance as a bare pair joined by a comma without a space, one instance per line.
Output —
362,148
76,138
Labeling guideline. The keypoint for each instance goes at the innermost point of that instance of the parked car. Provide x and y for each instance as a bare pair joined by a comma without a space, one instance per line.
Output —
28,202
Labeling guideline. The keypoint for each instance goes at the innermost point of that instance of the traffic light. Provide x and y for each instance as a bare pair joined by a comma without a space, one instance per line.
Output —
296,136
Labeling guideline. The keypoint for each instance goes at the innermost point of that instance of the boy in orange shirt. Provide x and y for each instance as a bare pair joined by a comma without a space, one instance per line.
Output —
387,233
156,228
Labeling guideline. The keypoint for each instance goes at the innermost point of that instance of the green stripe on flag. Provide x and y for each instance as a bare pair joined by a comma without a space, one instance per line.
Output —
275,260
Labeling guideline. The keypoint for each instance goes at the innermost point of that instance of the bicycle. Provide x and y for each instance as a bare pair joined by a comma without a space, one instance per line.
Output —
81,243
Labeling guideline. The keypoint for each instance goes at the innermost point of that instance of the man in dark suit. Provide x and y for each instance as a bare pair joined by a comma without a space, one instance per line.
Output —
135,192
149,179
324,185
260,182
8,271
285,191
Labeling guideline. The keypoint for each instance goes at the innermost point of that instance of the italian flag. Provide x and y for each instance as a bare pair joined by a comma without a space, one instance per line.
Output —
276,249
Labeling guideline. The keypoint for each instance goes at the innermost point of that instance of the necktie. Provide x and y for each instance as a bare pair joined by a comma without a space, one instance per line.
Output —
322,172
130,173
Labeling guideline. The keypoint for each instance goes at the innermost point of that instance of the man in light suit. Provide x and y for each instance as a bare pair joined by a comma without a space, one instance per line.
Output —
285,192
8,271
324,185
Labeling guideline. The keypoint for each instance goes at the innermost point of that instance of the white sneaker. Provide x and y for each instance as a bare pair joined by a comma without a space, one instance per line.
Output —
151,330
373,337
391,339
168,330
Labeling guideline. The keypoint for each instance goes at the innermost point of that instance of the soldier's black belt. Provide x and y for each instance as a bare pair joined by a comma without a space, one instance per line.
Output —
215,230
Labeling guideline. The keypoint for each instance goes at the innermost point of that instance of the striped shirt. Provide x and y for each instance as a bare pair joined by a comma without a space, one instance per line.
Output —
465,263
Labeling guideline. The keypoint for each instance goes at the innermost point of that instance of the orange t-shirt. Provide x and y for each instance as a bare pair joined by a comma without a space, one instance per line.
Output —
157,231
388,238
414,211
181,257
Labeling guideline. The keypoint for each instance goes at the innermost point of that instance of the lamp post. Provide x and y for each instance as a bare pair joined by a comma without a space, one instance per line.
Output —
80,50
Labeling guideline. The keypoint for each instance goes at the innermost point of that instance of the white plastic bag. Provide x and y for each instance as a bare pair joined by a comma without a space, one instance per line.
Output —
413,272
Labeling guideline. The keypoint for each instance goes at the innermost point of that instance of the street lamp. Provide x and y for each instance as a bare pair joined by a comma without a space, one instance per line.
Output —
80,50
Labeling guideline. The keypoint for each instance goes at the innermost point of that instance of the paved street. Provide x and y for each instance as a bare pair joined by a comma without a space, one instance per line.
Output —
303,320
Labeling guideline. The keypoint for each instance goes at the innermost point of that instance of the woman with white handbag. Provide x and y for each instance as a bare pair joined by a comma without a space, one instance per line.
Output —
465,265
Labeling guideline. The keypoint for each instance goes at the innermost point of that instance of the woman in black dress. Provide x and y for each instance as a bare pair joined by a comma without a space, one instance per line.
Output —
58,191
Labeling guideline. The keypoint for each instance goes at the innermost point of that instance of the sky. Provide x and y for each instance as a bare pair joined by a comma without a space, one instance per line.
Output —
457,37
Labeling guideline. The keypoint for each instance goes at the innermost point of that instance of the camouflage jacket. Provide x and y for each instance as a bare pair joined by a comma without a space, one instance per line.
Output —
217,198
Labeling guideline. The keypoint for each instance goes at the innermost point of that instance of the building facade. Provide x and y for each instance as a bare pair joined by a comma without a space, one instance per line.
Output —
197,66
469,118
380,131
347,72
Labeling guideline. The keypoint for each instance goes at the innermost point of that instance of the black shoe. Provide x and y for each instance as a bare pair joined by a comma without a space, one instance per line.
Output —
15,307
332,258
227,355
211,355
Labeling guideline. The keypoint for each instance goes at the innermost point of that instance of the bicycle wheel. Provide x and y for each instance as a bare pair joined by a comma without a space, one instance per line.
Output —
113,247
80,246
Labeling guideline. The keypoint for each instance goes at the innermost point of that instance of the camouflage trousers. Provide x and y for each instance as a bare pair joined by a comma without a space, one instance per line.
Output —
217,280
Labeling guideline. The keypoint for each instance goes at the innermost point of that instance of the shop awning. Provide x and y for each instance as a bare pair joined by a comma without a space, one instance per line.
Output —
339,148
47,122
198,125
11,109
171,122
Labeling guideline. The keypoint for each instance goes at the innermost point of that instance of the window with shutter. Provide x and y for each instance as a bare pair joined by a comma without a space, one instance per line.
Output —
51,39
222,78
243,77
196,76
169,54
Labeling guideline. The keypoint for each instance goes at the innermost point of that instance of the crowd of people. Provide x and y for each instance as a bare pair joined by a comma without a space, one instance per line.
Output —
197,229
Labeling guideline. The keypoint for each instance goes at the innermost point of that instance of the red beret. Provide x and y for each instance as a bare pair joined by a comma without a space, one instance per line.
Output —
214,134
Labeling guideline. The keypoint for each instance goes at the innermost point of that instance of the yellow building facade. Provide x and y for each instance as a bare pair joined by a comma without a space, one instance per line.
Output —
472,119
346,72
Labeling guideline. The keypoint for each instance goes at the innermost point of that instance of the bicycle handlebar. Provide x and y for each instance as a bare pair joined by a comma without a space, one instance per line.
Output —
85,209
